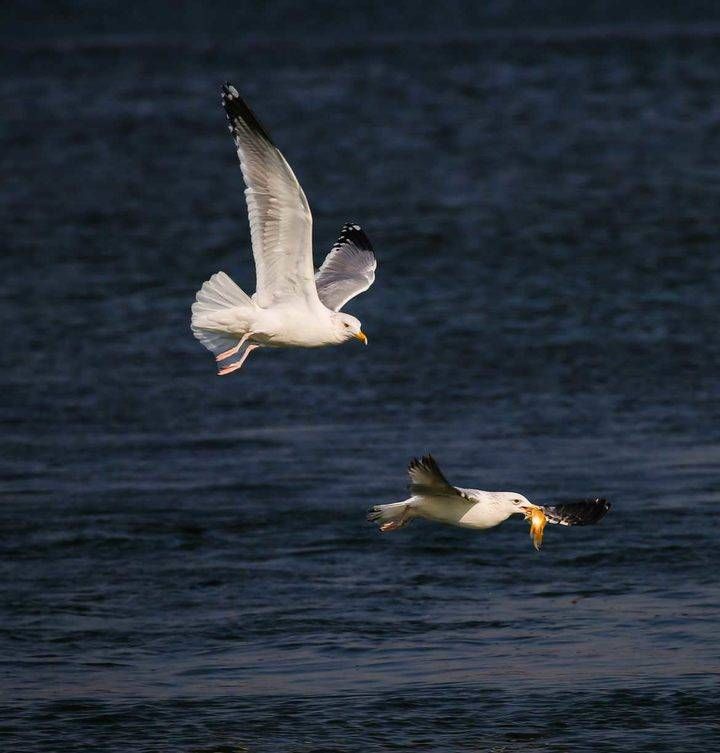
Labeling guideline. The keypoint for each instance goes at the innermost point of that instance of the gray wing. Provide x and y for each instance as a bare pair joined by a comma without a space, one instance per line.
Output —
348,269
583,513
426,478
280,219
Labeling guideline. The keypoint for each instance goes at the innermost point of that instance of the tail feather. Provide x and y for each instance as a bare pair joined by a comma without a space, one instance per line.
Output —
219,292
215,342
216,295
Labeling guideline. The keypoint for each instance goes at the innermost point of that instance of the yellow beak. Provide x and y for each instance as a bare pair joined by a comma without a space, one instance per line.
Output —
362,337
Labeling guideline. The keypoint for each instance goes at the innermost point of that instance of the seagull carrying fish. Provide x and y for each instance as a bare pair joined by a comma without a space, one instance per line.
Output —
433,497
293,305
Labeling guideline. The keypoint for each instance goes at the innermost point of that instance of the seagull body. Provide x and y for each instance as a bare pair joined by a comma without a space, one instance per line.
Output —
434,498
285,324
293,305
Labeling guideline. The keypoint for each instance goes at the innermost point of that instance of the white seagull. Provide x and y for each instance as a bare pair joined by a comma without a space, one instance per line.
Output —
434,498
293,305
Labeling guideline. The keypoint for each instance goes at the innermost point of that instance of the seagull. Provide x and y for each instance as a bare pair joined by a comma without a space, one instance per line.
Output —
293,306
433,497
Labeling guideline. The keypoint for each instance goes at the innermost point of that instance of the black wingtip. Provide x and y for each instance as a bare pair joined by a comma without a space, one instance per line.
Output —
426,463
602,505
228,91
422,461
582,512
239,114
351,232
587,512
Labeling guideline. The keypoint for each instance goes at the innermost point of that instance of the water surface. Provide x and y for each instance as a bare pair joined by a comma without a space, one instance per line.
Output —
184,559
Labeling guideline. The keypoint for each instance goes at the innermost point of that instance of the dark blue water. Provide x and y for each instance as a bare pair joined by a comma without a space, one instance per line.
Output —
184,559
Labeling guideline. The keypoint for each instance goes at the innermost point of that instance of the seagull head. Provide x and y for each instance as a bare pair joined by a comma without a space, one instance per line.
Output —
348,327
517,503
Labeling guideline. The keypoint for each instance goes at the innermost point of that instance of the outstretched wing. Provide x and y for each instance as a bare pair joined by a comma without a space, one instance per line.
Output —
583,513
280,219
348,269
426,478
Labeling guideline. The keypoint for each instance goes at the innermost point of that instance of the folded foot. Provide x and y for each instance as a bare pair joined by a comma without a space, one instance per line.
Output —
397,522
232,351
223,370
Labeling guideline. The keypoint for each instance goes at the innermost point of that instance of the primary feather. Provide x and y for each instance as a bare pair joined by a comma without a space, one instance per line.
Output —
348,269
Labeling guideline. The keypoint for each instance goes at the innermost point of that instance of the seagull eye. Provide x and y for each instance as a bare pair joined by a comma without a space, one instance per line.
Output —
346,324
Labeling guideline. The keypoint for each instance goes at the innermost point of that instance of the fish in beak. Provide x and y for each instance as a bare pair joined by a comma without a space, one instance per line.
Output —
362,337
537,520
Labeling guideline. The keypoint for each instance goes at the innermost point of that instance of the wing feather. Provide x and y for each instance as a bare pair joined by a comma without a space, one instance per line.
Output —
348,269
426,478
582,513
279,214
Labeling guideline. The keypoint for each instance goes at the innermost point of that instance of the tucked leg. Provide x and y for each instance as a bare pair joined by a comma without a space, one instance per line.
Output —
235,366
398,522
232,351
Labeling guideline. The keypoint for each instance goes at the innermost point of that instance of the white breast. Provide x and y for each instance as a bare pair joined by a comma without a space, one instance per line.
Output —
483,515
295,323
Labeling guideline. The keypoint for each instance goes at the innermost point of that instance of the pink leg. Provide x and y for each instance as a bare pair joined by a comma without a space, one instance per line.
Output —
393,525
236,366
232,351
